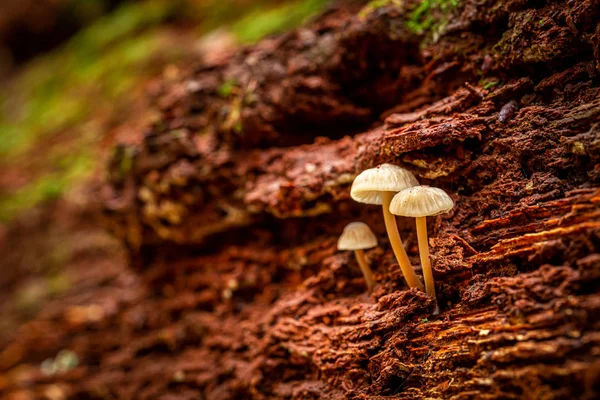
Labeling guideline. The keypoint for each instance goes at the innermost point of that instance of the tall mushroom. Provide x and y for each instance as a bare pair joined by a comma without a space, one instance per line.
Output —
358,236
378,186
421,202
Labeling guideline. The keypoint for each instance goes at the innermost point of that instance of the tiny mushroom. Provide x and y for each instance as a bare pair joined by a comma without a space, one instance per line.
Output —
420,202
358,236
378,186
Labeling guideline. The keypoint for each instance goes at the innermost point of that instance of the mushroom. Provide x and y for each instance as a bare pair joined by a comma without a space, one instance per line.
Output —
421,202
378,186
358,236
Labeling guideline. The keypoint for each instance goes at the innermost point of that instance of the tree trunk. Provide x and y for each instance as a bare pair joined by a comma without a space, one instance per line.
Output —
231,207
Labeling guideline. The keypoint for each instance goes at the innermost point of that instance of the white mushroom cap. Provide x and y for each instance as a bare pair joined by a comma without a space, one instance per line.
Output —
421,201
369,184
357,236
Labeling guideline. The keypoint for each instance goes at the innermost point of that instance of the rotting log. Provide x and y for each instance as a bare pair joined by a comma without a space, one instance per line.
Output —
231,207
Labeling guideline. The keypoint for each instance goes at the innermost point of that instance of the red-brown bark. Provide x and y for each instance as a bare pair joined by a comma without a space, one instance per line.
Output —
231,209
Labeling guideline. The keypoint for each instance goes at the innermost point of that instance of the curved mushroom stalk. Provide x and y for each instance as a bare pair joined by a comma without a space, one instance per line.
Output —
396,242
364,267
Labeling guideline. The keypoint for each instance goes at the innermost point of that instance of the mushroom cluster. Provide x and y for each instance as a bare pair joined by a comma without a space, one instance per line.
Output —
378,186
399,193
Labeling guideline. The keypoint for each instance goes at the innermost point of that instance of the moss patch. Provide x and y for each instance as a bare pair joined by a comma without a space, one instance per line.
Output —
377,4
227,87
54,101
59,94
70,170
260,23
63,87
430,16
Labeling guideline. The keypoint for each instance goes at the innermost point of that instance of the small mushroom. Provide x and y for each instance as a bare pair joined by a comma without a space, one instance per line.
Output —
358,236
421,202
378,186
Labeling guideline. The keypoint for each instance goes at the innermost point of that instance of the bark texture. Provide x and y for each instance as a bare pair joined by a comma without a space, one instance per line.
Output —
231,207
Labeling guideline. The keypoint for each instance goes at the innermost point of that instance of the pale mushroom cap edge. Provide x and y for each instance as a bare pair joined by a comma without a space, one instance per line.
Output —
421,201
357,236
369,184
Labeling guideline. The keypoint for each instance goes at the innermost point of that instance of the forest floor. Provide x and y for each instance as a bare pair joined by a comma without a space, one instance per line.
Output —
225,281
62,113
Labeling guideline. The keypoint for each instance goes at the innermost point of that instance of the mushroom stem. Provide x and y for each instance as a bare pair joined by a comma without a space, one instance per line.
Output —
392,230
424,254
364,267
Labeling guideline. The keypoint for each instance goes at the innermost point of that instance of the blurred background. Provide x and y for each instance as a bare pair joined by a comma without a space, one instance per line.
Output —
75,76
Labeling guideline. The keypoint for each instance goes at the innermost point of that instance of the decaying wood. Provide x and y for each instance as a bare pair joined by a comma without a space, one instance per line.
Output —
231,209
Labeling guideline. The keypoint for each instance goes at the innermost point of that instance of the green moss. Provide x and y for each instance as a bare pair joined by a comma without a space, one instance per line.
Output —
488,84
260,23
128,20
237,127
87,83
227,87
430,16
70,170
65,90
377,4
57,284
126,161
217,13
